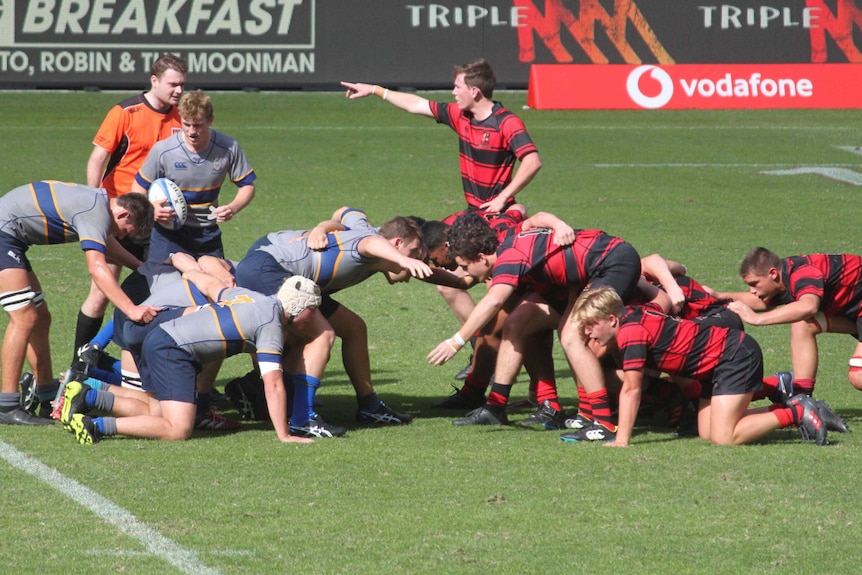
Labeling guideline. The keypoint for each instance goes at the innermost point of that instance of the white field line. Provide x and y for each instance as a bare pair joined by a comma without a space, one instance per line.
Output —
156,543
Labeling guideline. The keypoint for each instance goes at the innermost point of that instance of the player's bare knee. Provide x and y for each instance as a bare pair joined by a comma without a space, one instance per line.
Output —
42,312
854,373
807,329
571,339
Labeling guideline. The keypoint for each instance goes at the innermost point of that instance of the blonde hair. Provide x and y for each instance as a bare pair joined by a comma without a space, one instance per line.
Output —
195,106
594,305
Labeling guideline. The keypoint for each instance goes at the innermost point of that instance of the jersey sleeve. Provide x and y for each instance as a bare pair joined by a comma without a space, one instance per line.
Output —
519,141
633,343
112,130
443,113
512,264
151,169
241,172
269,338
806,279
355,219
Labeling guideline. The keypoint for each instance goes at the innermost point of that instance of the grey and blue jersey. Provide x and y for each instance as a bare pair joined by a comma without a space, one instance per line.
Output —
52,212
199,176
338,266
242,321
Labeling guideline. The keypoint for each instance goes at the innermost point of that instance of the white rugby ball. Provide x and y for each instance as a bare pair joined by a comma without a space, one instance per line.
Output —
165,191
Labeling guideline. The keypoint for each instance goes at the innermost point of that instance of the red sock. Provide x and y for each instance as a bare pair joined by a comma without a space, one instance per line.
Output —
474,386
805,386
546,390
584,406
600,403
692,390
499,395
770,386
787,416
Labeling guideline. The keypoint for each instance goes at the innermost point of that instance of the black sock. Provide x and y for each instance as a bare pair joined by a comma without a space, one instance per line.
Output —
85,330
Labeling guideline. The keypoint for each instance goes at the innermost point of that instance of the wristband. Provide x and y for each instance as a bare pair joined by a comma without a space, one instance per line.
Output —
458,339
453,345
385,93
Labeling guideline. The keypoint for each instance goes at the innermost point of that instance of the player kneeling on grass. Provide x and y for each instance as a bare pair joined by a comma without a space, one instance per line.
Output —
51,212
727,362
240,321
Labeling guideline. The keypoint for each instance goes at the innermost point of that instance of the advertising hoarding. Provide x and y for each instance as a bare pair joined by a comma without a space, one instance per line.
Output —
295,44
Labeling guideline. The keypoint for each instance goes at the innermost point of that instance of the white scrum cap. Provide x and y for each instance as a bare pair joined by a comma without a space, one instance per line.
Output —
298,294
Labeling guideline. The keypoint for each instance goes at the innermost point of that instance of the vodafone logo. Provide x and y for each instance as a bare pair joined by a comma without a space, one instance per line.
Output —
665,83
694,86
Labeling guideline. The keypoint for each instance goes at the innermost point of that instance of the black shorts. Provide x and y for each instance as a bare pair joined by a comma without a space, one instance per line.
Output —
621,270
740,371
720,317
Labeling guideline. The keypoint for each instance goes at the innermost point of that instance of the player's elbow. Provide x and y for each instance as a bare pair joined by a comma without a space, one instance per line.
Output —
533,161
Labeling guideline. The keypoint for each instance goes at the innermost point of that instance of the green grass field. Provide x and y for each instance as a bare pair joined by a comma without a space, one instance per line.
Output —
432,498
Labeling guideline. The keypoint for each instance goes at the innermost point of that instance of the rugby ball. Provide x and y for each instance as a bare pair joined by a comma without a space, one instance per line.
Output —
164,191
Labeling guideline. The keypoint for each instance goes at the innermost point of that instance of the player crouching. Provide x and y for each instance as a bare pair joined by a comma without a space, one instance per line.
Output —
239,321
727,362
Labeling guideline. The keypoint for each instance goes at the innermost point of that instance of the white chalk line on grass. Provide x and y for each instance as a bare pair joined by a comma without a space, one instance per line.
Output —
156,543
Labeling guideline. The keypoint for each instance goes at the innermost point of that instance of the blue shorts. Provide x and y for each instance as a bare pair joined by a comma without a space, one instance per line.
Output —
196,242
260,271
132,335
13,253
168,371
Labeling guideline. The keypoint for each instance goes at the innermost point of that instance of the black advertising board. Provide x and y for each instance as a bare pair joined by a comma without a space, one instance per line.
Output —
295,44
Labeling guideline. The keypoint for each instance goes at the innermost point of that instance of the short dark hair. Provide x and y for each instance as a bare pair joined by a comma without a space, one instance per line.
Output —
167,62
470,235
479,74
434,234
759,261
140,212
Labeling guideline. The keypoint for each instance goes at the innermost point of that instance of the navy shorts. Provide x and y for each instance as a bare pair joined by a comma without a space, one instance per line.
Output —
168,371
196,242
13,253
133,334
260,271
740,371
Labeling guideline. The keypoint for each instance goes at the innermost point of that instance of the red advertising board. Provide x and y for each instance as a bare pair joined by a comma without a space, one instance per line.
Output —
701,86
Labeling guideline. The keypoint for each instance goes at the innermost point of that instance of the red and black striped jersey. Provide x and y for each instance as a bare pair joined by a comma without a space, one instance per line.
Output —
698,302
503,222
835,278
488,149
651,340
532,259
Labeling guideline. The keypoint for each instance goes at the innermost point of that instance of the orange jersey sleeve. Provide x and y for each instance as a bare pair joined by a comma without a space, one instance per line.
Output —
127,133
